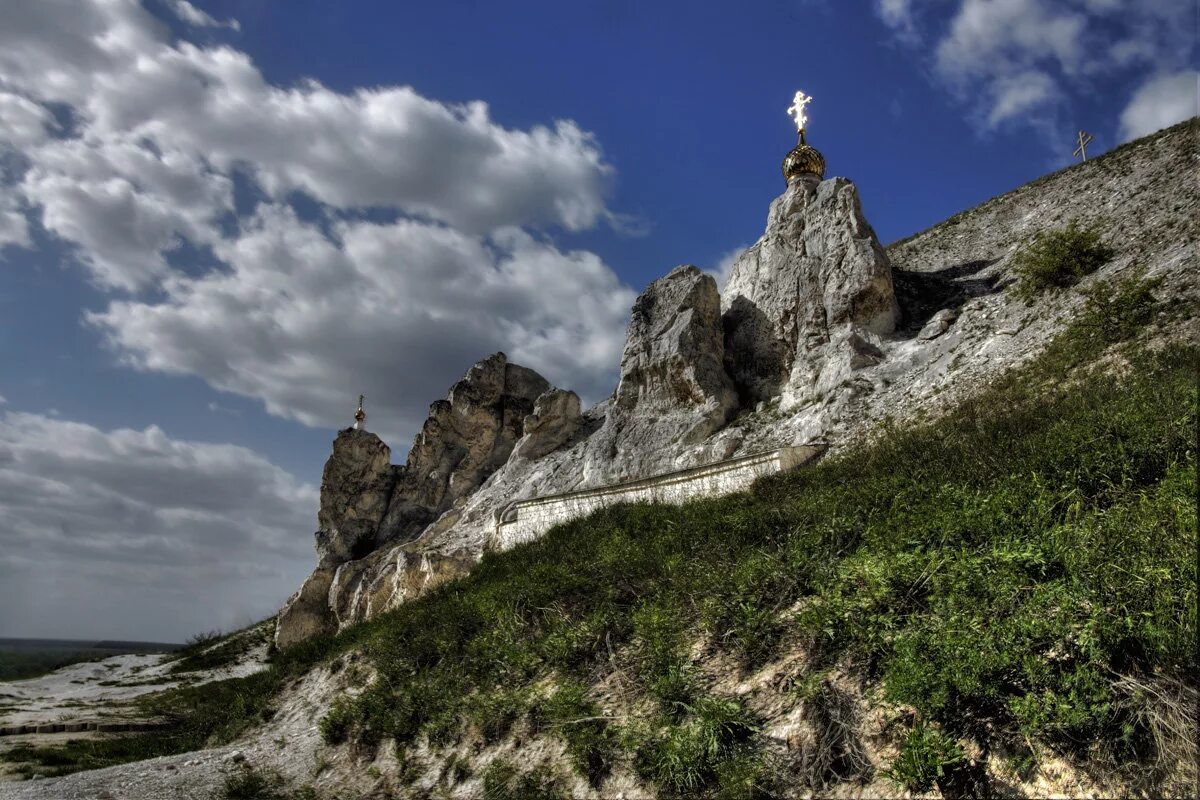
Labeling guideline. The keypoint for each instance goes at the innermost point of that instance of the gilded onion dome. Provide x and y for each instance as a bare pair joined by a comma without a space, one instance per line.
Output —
803,159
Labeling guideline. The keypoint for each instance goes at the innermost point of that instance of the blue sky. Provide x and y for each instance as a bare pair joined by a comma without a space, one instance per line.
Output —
220,221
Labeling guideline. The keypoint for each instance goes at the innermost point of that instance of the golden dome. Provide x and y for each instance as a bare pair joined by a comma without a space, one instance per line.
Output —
803,159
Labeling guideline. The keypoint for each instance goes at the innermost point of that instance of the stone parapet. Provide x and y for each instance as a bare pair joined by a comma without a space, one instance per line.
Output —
525,520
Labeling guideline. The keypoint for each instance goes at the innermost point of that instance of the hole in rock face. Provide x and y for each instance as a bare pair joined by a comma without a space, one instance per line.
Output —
923,294
754,358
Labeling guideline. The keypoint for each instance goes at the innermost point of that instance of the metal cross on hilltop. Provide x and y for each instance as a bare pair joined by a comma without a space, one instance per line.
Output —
1084,139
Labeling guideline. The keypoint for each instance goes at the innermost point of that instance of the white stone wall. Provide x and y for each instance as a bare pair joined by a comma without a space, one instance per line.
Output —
525,520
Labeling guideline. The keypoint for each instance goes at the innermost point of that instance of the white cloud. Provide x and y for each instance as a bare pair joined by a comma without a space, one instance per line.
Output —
992,38
201,19
114,64
724,266
124,204
398,311
14,230
1161,102
22,121
898,15
116,533
1019,95
303,311
1021,61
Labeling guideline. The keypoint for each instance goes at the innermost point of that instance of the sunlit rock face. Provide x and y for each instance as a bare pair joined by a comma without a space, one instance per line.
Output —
356,487
673,388
366,503
466,438
556,416
817,275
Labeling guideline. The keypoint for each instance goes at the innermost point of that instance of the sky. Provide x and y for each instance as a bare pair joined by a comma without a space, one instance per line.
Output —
221,221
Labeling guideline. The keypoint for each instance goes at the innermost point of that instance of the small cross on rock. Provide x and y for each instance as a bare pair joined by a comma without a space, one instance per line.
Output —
1085,138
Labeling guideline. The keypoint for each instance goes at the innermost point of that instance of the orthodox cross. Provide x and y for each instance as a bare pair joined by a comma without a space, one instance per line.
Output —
360,416
1084,139
797,110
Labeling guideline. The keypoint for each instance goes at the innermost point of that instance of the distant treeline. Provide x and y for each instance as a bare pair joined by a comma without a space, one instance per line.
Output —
28,658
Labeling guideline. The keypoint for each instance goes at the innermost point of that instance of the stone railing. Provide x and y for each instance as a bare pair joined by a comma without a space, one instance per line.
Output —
524,520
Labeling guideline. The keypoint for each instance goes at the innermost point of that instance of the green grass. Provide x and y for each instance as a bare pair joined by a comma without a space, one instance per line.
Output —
503,781
1020,570
250,783
927,756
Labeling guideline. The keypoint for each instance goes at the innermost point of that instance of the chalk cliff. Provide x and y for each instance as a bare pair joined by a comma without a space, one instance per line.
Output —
370,507
819,335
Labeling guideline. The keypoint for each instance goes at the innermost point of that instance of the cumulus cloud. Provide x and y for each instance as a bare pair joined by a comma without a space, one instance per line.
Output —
22,121
1019,61
398,311
123,204
724,266
1161,102
201,19
104,530
175,176
115,65
14,230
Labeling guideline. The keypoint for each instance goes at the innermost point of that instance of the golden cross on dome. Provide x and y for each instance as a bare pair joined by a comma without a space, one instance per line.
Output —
1085,138
796,110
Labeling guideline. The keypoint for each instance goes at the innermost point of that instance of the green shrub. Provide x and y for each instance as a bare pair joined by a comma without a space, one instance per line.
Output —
689,756
590,739
1056,259
494,712
502,781
927,755
743,605
335,725
675,687
1115,311
248,783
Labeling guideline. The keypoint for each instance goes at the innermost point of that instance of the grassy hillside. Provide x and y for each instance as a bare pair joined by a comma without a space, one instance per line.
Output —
1015,578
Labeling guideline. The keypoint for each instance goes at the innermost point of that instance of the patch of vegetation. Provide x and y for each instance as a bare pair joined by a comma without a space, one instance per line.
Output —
251,783
928,755
214,650
709,746
1020,569
589,737
503,781
1057,259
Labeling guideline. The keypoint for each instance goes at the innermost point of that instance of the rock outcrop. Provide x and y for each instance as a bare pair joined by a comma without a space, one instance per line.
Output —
673,389
803,348
356,487
556,417
368,504
817,272
466,438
